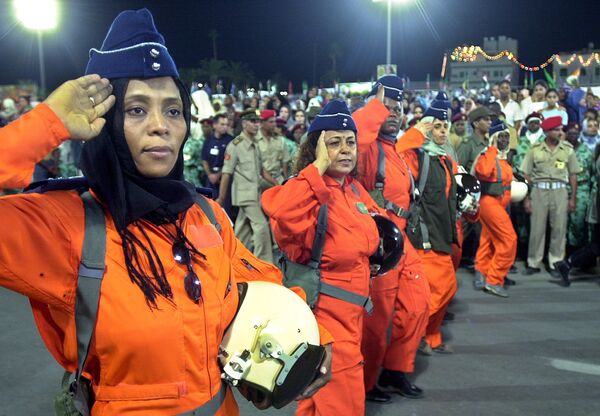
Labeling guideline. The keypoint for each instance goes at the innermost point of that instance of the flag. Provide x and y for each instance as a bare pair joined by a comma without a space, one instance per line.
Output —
465,85
549,79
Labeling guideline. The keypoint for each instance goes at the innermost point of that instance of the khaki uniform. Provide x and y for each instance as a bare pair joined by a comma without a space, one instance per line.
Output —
274,154
456,141
549,172
243,162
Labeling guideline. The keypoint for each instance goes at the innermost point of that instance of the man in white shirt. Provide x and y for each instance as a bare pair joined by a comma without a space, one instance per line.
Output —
509,107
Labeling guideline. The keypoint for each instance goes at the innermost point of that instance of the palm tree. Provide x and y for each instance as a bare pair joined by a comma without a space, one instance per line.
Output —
335,51
212,70
213,34
240,73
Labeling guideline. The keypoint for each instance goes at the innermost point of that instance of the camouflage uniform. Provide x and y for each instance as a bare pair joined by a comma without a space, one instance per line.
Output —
292,148
523,146
578,231
192,161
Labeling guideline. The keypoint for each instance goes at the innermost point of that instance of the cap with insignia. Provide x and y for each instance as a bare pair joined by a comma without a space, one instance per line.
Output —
392,85
133,48
439,107
250,114
335,116
498,126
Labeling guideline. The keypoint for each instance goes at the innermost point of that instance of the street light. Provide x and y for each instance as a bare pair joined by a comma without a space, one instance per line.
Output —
38,15
388,55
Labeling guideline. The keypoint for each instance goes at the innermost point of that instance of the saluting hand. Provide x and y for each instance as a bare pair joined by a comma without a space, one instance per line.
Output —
424,127
80,105
380,93
322,160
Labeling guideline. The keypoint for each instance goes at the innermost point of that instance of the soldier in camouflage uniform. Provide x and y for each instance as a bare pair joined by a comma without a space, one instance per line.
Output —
192,153
192,164
578,230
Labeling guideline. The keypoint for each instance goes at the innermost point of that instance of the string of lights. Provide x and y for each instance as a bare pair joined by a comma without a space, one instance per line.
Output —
469,54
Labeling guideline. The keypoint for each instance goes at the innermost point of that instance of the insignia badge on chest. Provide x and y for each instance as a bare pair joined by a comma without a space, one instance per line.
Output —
362,208
559,164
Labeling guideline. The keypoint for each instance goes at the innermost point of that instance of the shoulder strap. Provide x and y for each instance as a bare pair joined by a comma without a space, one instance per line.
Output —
91,272
319,241
208,211
60,184
380,177
424,161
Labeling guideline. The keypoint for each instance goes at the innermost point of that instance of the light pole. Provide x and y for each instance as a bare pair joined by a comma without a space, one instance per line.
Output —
388,50
38,15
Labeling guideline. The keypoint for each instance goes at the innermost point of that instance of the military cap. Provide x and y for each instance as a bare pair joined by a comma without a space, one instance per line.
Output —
250,114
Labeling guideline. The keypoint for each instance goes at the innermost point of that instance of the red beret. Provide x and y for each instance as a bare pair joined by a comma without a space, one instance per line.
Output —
551,123
280,122
267,114
459,116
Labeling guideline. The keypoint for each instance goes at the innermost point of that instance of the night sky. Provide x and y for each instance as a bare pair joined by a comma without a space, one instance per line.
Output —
280,36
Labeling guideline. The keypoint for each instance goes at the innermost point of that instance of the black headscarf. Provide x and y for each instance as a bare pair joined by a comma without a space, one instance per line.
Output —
132,198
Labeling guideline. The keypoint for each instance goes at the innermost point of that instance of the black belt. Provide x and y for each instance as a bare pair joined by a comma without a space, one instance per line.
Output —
210,407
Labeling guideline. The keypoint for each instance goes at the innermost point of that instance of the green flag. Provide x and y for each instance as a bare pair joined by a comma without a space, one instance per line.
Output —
549,79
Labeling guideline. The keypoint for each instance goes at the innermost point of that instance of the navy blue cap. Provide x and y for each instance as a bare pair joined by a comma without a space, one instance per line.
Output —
335,116
497,126
439,107
392,85
133,48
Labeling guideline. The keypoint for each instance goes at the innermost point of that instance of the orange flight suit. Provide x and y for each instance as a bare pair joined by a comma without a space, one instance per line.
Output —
438,266
498,241
400,297
25,142
141,362
351,238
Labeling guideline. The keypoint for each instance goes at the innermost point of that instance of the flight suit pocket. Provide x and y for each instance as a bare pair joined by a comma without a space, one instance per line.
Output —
139,391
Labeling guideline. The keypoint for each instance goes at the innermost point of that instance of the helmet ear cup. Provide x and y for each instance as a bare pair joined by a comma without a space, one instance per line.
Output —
296,381
391,245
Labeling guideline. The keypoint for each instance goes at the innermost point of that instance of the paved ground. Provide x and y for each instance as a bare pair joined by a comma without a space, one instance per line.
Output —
536,353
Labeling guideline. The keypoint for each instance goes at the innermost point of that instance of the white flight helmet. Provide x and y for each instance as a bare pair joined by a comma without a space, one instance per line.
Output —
468,192
272,344
518,191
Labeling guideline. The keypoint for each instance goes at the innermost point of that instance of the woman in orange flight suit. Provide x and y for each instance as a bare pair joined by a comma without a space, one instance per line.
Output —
438,214
160,319
498,241
327,161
